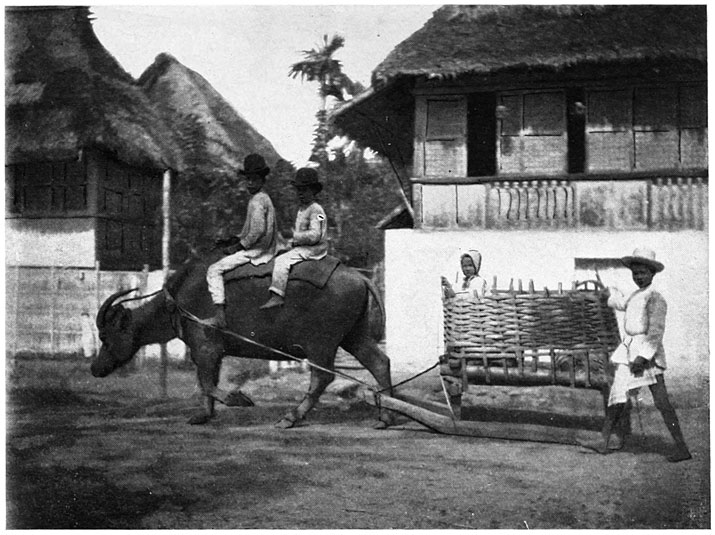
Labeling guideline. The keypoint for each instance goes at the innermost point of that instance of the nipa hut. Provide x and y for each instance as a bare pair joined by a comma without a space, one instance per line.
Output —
555,140
85,150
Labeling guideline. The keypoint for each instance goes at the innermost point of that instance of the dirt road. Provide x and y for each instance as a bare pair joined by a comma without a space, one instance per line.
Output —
83,453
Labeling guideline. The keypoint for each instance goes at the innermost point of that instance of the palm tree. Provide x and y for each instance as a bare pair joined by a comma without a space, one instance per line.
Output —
319,66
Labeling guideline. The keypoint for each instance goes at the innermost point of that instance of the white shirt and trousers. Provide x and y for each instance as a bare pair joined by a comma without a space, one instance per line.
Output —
310,242
643,325
259,239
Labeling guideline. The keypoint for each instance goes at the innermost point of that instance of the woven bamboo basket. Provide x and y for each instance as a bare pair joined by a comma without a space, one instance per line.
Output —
531,338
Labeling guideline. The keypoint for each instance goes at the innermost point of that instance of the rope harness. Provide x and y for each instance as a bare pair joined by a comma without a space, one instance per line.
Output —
172,306
193,318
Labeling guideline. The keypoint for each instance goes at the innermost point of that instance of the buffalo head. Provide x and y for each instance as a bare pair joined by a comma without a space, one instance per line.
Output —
116,332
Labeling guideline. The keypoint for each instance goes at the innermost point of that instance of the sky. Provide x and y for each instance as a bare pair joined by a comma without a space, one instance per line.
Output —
245,52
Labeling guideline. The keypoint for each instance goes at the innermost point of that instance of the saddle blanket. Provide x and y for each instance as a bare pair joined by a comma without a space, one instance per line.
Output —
315,272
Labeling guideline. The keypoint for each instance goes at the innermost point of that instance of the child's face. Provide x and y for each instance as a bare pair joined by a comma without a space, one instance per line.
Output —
306,194
254,183
642,275
468,267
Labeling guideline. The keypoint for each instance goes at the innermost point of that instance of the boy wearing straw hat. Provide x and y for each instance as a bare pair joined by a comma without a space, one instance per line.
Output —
257,242
640,358
310,234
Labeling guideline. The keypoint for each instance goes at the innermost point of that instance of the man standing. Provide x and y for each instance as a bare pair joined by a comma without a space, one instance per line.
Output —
640,358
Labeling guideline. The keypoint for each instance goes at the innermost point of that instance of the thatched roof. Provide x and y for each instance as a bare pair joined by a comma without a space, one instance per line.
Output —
483,39
488,41
64,92
191,106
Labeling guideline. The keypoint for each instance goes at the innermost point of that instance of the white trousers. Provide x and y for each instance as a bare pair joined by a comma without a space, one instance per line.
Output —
625,383
281,268
214,275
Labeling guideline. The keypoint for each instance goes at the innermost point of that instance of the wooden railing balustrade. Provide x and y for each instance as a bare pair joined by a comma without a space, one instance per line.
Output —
530,203
637,203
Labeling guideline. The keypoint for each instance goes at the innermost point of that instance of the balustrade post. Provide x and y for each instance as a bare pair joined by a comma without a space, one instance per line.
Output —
689,208
669,206
569,206
541,212
532,208
522,207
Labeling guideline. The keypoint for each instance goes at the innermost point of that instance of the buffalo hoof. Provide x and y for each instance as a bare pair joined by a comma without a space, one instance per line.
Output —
199,419
238,399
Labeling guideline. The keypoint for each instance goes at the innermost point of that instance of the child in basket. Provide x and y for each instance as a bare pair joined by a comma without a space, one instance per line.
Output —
472,286
310,234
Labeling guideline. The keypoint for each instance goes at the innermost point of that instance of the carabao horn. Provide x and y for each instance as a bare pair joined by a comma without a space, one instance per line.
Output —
108,303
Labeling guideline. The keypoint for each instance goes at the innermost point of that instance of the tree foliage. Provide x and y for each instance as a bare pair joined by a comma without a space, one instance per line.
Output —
209,199
320,66
358,192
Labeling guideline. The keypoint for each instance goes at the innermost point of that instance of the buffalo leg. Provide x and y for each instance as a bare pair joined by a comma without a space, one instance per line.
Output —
206,354
365,350
319,381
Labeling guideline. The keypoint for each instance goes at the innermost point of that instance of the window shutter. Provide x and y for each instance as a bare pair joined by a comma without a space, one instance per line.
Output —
445,137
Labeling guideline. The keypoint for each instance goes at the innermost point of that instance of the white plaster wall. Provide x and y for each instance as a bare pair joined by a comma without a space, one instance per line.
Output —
49,242
415,260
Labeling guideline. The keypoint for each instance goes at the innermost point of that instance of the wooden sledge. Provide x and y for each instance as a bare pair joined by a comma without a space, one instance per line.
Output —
436,417
519,338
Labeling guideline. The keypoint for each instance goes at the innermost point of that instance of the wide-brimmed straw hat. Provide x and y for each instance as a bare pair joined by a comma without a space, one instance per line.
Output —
643,256
254,164
306,176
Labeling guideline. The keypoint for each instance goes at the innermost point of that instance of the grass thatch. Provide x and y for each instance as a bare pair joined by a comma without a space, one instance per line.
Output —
485,39
484,42
65,92
192,107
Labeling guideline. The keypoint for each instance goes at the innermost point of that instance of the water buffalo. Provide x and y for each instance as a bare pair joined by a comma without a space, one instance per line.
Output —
313,323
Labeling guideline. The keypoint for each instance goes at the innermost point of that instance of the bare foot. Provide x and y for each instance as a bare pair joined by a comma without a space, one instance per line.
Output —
680,455
274,301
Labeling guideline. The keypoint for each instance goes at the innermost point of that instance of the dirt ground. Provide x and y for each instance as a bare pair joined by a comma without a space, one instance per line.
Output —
86,453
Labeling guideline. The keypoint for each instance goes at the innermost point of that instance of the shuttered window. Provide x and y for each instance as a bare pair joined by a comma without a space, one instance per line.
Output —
693,116
646,128
48,188
441,139
532,132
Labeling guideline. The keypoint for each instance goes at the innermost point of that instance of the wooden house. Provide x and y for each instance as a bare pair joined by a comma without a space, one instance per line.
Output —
85,150
555,140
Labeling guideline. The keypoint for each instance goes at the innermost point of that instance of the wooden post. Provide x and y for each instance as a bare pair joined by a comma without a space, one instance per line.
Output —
144,290
51,295
16,329
97,278
165,236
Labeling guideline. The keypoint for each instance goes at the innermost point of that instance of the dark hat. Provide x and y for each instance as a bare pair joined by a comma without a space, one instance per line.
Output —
643,256
306,176
254,164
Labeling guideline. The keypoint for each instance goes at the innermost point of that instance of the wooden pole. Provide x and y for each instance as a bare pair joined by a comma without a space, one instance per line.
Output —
435,418
16,326
165,236
144,290
53,298
97,278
